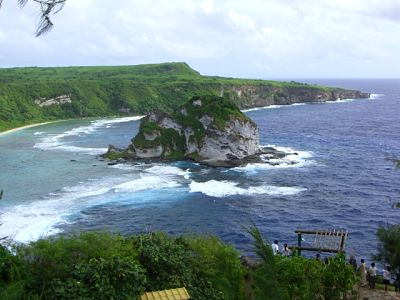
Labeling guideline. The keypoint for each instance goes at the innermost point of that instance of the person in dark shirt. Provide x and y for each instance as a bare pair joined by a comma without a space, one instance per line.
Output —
397,281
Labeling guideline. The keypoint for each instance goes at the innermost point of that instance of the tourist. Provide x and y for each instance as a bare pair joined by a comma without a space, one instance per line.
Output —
353,262
386,277
372,276
363,273
286,250
318,256
397,282
275,247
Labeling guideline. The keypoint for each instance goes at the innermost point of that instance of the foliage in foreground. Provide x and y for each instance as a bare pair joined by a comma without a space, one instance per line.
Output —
105,266
297,277
389,245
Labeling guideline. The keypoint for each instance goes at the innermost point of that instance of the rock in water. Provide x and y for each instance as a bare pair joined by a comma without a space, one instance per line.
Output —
208,129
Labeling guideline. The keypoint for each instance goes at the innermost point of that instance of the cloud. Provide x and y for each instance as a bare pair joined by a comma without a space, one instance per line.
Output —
254,38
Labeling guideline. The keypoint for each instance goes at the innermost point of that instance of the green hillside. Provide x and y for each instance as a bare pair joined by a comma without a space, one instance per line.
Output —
131,90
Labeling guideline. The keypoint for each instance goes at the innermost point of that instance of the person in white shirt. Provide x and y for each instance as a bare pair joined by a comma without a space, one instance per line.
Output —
363,273
386,277
275,247
372,275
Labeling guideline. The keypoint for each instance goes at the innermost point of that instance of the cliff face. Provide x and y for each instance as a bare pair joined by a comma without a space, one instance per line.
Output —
209,129
249,96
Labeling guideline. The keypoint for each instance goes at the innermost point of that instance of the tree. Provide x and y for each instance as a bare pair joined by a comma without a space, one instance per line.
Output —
389,237
47,8
389,246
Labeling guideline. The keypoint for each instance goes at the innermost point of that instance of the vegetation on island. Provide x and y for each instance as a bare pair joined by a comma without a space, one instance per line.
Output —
219,109
122,90
106,266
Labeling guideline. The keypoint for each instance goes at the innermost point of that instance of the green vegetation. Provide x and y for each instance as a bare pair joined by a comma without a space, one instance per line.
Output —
121,90
389,246
105,266
174,145
389,237
282,277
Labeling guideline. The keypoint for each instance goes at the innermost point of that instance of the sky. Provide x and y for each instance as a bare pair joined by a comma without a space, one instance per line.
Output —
236,38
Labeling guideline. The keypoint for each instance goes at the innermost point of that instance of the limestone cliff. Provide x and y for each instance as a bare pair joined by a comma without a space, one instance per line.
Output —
251,95
208,129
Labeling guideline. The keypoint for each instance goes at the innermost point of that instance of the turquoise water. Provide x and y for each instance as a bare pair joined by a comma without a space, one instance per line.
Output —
54,181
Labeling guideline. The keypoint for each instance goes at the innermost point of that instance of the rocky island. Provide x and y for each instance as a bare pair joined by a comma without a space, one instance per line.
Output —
209,129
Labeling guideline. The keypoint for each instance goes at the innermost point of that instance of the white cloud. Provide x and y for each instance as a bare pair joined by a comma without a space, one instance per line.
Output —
254,38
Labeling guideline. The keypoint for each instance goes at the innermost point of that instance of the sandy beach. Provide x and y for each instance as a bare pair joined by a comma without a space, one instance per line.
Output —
24,127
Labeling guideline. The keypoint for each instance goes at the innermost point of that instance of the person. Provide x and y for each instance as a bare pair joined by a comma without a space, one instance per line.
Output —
372,276
397,282
353,262
386,277
275,247
286,250
318,256
363,273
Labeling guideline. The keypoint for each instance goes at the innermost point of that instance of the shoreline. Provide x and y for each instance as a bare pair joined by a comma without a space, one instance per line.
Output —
26,126
55,121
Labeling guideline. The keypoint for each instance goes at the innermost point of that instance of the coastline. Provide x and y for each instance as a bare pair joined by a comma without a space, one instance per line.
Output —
26,126
55,121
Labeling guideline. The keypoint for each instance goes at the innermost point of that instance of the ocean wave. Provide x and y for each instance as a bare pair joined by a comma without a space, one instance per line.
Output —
28,222
145,183
214,188
168,170
375,96
41,218
293,159
54,142
273,106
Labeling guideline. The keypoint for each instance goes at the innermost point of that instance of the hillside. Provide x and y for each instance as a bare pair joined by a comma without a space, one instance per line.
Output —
30,95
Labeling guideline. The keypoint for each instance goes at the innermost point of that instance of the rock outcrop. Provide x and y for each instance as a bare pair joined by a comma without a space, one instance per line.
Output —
62,99
209,129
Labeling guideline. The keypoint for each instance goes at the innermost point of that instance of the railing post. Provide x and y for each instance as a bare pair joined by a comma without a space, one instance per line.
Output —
299,242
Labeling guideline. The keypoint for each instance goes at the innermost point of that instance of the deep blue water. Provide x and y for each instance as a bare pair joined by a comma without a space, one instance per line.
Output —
53,181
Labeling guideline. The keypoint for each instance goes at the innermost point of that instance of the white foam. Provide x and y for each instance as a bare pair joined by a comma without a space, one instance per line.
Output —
339,101
214,188
39,133
293,159
91,151
271,107
31,221
55,142
169,170
145,183
375,96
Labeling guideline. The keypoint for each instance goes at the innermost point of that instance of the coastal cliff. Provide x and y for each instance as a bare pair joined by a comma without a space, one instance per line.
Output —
34,95
210,130
250,96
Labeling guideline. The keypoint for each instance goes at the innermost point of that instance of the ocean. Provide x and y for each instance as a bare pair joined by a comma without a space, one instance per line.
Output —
338,176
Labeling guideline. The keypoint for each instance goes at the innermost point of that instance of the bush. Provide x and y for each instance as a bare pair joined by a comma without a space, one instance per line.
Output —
297,277
389,245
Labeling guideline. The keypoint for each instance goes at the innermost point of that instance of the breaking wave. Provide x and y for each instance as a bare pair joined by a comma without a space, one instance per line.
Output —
215,188
55,142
